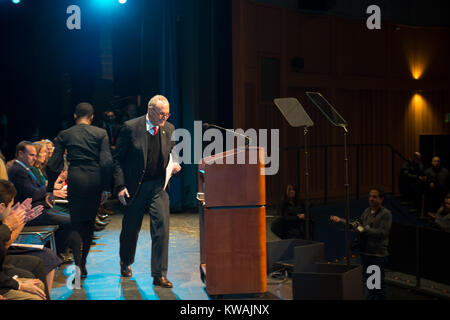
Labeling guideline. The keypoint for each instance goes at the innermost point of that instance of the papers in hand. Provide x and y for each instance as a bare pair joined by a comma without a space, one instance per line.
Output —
169,171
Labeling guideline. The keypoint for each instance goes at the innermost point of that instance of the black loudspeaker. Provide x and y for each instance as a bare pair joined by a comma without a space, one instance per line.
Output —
323,281
295,252
312,277
297,64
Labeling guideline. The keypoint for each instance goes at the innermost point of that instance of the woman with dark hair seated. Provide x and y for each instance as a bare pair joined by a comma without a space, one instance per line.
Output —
291,221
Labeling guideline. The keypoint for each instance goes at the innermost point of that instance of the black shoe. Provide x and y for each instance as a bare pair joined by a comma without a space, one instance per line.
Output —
125,270
100,223
102,217
84,272
162,282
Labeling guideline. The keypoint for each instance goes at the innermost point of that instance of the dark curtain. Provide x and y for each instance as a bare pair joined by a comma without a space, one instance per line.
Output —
159,72
178,48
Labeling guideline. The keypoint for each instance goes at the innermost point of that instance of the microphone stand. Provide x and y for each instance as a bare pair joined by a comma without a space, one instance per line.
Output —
347,199
307,216
247,138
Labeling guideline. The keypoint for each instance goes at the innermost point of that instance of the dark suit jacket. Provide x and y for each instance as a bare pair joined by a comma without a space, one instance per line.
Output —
26,186
130,159
86,145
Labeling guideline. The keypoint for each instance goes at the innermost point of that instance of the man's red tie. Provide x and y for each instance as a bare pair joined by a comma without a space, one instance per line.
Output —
155,130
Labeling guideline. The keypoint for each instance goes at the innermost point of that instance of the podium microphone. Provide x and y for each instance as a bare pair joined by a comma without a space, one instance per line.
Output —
247,138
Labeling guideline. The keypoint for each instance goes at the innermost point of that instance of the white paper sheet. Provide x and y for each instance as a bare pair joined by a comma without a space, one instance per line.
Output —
168,171
28,246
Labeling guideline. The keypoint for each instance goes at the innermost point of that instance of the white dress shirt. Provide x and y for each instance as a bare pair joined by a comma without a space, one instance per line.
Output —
150,126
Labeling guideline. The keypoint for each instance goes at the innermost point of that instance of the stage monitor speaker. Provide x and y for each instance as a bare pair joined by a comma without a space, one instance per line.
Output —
298,252
322,281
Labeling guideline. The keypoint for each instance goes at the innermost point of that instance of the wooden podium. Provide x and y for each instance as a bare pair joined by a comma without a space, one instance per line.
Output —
233,223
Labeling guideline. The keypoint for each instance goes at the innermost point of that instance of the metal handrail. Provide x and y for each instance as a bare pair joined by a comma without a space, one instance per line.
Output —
394,152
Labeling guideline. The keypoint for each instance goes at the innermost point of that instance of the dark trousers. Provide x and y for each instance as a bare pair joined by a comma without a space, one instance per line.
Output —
26,267
153,199
85,231
55,217
367,261
84,194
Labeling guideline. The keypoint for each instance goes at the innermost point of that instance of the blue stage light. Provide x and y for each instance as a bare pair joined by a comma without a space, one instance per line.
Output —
122,1
16,1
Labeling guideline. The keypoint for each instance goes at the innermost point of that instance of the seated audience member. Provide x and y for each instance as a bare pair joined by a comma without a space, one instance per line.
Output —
438,179
38,168
9,164
3,172
50,259
412,179
442,218
20,279
28,186
291,223
50,147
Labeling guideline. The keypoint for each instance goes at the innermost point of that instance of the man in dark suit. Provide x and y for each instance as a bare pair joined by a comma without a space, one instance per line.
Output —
28,186
142,155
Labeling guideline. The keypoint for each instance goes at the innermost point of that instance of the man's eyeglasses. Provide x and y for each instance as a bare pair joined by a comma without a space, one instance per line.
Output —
161,115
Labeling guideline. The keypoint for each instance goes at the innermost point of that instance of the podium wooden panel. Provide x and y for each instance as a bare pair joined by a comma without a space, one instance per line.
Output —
232,223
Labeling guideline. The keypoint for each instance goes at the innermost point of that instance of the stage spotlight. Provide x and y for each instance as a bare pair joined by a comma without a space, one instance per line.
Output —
122,1
15,1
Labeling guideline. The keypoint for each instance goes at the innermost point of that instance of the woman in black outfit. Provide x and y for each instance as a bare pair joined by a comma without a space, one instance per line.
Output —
89,173
291,221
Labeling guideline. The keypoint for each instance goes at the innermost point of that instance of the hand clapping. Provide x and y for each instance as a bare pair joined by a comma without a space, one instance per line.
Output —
16,217
26,210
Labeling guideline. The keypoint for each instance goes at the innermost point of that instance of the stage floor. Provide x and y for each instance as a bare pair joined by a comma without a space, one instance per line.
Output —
105,283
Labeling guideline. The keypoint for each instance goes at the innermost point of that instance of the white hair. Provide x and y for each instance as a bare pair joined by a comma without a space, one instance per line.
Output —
158,98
